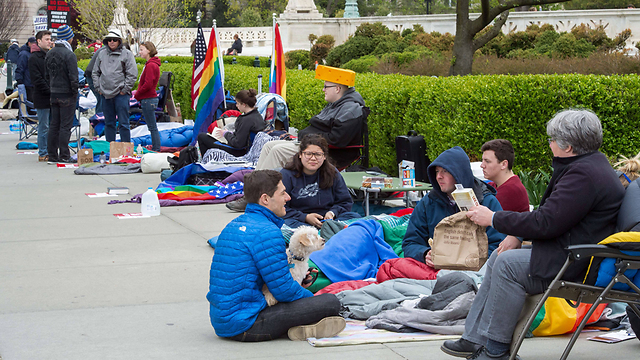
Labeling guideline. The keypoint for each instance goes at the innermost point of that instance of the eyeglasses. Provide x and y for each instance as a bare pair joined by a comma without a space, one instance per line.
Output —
551,140
329,86
309,155
112,40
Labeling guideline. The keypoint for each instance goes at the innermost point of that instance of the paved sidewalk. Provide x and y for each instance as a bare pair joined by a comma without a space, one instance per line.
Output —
77,283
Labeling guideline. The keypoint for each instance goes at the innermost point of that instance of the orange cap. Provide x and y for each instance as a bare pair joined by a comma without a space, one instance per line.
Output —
336,75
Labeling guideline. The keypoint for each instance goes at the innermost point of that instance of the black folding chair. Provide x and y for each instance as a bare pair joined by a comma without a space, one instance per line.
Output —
363,157
26,115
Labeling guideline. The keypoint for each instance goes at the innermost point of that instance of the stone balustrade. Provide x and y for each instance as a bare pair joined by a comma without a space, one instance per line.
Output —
295,32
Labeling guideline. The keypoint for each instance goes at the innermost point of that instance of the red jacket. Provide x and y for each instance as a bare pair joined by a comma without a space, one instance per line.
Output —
149,79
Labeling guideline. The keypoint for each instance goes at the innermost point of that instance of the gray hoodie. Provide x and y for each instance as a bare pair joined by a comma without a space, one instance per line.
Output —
114,72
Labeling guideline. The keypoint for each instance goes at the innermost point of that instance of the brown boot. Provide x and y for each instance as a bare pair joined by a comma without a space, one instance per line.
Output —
327,327
43,158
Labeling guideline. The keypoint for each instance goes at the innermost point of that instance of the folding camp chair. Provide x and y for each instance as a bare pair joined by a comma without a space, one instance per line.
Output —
362,158
613,274
26,115
164,84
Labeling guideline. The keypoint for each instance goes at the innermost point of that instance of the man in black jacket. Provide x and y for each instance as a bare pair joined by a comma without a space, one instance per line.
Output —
580,206
62,74
22,69
12,55
41,91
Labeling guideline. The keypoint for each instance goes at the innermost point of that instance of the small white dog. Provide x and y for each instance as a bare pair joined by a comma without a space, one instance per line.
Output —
304,241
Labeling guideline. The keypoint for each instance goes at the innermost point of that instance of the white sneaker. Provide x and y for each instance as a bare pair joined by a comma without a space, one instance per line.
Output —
327,327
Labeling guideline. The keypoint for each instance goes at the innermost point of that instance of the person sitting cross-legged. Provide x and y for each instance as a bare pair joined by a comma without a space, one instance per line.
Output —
318,191
250,253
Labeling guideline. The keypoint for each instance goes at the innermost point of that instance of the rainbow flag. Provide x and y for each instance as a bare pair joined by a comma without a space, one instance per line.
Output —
278,77
211,93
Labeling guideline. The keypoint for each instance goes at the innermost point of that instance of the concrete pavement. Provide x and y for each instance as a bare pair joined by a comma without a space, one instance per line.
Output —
77,283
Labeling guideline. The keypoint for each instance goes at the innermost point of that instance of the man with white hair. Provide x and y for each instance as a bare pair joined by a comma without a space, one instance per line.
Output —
114,74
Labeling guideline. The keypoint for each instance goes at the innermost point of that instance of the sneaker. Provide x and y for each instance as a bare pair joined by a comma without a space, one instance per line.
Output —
237,205
460,348
43,158
327,327
52,161
67,161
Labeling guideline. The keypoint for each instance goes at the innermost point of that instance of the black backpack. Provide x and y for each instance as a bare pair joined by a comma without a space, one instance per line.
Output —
188,155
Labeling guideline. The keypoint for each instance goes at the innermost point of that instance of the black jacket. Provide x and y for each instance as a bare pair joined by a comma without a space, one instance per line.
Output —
37,70
237,45
580,206
12,54
245,125
62,71
22,70
341,124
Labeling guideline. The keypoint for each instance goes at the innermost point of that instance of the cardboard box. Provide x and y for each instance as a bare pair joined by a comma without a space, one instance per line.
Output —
407,172
85,156
465,198
118,149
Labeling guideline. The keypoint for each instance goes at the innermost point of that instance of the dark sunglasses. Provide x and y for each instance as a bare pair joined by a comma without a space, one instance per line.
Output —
111,39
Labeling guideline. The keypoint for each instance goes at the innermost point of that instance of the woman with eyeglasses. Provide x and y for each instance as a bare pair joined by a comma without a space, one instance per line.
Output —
318,191
146,92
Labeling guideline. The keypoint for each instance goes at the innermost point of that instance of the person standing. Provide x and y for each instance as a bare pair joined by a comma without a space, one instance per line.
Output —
22,68
41,92
146,93
61,72
114,74
12,55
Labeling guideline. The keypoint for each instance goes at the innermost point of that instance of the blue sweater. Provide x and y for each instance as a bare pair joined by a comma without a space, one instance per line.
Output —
436,206
250,252
307,196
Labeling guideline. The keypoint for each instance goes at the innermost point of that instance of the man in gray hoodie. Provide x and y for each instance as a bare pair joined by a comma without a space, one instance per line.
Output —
114,74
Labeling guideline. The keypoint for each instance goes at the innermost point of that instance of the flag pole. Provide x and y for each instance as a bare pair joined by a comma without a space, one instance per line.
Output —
273,51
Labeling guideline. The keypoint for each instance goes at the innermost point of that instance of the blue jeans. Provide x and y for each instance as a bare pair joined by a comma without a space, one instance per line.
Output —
119,106
149,113
497,306
43,130
274,321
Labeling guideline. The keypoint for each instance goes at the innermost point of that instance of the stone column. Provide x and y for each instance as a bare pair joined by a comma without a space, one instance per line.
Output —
301,9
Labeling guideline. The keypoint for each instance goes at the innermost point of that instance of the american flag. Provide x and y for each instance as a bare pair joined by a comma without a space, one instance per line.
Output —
198,66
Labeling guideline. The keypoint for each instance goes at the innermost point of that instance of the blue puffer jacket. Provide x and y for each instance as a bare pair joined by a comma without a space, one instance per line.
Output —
436,206
250,252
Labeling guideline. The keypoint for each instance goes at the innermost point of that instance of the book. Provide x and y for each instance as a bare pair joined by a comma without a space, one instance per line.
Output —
115,190
613,336
465,198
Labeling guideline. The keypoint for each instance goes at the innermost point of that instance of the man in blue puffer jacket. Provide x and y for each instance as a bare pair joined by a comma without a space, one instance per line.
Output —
251,252
450,168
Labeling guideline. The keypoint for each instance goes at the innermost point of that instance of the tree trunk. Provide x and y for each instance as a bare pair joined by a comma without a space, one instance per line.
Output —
462,61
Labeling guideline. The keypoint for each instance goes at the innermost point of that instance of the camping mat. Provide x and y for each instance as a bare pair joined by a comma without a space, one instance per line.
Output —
356,333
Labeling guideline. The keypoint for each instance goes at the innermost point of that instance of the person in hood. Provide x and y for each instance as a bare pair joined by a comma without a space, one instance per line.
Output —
339,122
62,74
318,191
580,206
22,75
448,169
114,74
12,55
146,93
41,92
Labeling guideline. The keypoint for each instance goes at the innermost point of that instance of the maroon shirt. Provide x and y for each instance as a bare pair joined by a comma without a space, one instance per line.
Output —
512,195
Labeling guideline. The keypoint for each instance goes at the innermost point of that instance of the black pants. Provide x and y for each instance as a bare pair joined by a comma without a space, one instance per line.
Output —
63,108
206,142
274,322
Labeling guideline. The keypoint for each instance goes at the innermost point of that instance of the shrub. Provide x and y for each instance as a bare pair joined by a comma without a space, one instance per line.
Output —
353,48
362,64
371,30
327,40
250,17
319,52
82,52
295,57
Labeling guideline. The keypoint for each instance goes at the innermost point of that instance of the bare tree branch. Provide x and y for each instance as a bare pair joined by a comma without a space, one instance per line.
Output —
12,16
495,30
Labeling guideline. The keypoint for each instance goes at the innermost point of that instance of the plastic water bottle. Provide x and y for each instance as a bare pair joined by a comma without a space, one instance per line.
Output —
14,126
103,158
139,150
150,203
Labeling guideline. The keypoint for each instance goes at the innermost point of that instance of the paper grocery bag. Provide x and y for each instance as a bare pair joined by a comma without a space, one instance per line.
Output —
85,156
459,244
117,149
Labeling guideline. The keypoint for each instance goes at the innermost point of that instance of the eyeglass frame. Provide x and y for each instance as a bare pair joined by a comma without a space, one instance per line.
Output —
108,40
308,155
328,86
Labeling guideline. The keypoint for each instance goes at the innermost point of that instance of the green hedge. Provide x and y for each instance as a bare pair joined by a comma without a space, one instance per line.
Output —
464,111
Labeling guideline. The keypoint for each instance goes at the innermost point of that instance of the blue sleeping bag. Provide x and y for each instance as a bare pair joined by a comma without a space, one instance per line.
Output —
177,137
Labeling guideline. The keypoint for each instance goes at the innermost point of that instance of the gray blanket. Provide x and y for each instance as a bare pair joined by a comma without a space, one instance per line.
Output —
107,169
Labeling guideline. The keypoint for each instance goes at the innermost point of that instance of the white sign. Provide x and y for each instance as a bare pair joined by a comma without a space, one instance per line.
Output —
37,20
40,27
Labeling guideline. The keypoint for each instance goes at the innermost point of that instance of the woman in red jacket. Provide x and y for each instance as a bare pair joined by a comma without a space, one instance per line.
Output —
146,93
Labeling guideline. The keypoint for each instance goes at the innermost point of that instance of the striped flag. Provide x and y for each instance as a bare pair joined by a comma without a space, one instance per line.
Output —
211,90
198,65
278,78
